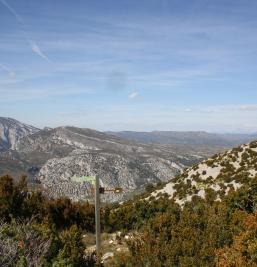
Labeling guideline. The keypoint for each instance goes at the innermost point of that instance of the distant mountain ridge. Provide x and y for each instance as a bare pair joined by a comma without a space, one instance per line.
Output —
11,131
52,156
193,138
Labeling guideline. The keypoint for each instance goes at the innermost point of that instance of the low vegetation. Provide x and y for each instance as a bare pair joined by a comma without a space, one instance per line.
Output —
37,231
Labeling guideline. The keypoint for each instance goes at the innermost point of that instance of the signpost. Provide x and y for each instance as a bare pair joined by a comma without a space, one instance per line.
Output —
97,222
98,190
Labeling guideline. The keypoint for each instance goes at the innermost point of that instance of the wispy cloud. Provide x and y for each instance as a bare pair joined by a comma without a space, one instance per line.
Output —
223,108
12,94
36,49
10,72
34,46
15,14
133,95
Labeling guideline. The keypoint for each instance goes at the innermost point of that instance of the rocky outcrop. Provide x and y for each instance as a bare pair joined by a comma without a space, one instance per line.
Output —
130,172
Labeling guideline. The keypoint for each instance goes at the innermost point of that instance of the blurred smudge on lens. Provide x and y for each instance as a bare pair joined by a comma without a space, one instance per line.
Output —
116,81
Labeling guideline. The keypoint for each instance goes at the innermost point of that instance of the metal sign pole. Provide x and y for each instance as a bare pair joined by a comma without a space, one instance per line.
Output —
97,222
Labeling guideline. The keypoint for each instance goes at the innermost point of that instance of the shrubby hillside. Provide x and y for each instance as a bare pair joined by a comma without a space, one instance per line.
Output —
203,233
217,228
205,217
214,178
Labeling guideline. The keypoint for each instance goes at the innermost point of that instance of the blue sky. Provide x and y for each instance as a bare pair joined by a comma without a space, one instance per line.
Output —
130,65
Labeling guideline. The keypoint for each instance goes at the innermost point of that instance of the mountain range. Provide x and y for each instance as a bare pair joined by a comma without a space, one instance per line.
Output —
52,157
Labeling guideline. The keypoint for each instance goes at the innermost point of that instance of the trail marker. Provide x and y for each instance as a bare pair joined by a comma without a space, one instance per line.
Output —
94,180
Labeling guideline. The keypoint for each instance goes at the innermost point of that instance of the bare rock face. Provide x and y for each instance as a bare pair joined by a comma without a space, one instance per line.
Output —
114,170
11,131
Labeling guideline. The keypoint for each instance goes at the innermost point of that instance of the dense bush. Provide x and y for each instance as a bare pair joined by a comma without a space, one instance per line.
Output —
36,231
32,244
46,232
16,201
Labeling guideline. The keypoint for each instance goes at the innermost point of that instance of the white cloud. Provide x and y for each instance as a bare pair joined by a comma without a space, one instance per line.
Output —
36,49
11,73
133,95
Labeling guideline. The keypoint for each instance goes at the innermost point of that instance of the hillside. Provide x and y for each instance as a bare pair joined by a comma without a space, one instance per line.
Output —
146,230
214,177
11,131
205,217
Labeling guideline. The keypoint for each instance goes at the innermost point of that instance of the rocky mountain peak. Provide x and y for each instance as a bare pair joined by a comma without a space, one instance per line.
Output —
11,131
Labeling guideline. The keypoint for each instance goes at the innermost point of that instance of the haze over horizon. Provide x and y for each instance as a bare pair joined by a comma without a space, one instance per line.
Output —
124,65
